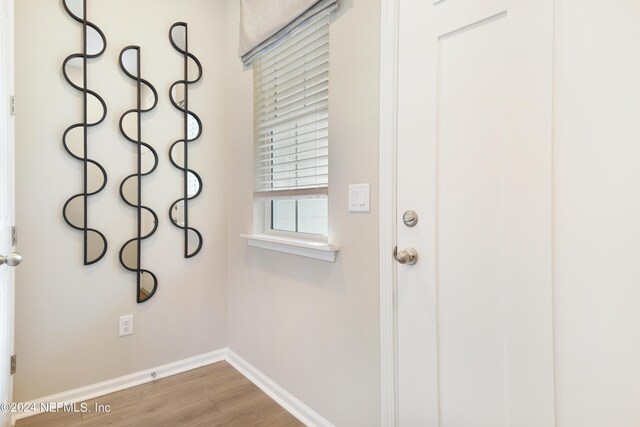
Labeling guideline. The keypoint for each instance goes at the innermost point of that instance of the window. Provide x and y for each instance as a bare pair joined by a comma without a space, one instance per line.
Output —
291,135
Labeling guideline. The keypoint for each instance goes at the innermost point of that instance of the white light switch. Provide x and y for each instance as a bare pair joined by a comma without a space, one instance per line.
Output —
359,198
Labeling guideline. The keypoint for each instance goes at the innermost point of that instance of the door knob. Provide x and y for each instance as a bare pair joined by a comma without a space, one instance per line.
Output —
407,256
11,260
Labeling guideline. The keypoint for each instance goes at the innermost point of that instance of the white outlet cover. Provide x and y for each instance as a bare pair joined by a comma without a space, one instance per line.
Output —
126,325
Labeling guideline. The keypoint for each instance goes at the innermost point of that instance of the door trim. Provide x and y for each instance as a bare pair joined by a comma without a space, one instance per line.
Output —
5,417
389,25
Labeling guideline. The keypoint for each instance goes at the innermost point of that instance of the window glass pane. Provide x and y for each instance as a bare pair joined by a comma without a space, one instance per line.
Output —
283,215
313,216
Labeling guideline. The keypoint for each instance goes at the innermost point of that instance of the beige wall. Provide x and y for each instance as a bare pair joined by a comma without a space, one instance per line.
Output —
310,325
597,212
313,326
67,314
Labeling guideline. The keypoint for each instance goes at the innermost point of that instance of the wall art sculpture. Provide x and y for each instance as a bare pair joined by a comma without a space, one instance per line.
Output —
192,129
76,139
147,162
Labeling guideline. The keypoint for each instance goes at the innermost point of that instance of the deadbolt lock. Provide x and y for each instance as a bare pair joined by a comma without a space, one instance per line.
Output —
410,218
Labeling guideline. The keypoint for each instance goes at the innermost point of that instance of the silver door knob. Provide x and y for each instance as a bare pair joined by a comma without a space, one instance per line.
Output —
407,256
11,260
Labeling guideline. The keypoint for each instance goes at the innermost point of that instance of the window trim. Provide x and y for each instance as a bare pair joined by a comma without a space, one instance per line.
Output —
301,247
297,243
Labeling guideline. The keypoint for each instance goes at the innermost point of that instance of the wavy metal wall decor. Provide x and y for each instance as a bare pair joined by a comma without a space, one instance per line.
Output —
75,138
147,162
192,129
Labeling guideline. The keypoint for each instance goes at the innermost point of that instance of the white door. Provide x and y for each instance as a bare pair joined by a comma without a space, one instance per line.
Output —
475,336
6,204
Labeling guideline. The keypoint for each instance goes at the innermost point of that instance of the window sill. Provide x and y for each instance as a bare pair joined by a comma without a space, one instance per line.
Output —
306,248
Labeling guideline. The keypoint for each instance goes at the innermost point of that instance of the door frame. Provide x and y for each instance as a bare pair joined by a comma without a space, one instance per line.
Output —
389,28
7,417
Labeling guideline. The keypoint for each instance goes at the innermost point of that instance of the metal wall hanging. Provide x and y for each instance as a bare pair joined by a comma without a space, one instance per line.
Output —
131,187
75,138
179,151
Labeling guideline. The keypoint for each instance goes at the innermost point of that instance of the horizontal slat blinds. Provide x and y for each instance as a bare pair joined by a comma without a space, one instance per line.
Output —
265,24
291,96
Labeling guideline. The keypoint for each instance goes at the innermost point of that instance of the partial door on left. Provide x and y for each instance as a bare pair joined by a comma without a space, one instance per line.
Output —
8,257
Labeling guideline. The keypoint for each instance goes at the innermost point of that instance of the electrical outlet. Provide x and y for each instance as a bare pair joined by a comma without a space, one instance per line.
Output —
126,325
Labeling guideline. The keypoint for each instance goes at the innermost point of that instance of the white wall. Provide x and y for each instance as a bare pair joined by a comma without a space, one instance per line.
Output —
597,213
313,326
67,314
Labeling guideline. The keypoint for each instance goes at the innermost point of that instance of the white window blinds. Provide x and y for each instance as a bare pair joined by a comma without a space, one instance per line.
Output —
291,91
265,24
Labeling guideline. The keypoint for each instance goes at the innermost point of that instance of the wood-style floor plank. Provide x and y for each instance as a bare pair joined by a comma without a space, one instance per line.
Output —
51,419
146,396
228,399
177,415
214,395
261,411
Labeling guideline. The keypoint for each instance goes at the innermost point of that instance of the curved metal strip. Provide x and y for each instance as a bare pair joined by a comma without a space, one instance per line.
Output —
131,186
179,154
75,140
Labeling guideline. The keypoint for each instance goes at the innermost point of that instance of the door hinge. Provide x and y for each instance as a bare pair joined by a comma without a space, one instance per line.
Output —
12,105
14,236
13,365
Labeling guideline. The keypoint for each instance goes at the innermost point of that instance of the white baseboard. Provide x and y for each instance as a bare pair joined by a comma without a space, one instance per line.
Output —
105,387
298,409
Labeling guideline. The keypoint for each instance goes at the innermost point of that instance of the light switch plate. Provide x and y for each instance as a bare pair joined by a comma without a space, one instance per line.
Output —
359,198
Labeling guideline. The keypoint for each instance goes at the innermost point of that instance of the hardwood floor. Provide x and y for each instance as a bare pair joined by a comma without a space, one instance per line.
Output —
214,395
